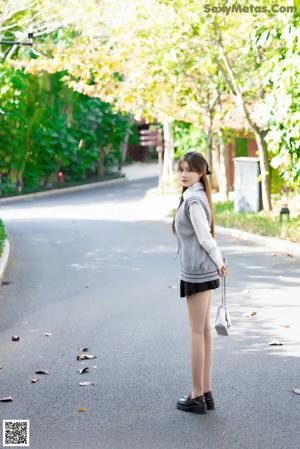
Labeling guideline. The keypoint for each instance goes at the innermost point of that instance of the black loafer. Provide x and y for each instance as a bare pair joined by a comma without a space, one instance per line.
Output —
196,405
210,403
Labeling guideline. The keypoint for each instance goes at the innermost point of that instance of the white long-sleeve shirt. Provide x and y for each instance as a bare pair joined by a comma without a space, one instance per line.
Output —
202,230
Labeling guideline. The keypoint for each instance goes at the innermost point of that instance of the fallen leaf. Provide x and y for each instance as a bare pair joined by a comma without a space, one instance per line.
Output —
34,380
47,334
85,384
8,399
6,282
172,286
284,325
42,371
15,338
83,370
83,409
86,357
84,349
296,390
275,343
290,255
252,313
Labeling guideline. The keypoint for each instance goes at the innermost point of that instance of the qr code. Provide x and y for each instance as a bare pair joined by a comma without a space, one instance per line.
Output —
16,432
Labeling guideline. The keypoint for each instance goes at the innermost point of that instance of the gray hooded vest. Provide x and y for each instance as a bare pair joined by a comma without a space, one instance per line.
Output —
195,263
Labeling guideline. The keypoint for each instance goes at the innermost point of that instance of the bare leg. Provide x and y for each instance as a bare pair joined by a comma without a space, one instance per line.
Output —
197,308
208,344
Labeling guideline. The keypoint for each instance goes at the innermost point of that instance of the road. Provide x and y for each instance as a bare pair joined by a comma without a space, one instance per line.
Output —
96,269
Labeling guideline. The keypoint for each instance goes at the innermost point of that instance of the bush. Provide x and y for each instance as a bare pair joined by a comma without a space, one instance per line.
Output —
261,223
3,236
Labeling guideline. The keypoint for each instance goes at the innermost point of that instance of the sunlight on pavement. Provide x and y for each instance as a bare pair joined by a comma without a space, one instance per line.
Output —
149,208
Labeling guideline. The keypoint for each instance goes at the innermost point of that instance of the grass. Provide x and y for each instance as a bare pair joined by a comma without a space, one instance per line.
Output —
3,236
261,223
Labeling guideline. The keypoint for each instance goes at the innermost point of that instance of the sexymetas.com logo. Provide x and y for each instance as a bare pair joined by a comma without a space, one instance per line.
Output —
238,8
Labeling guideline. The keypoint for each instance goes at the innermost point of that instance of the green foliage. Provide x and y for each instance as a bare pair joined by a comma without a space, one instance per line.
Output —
134,138
153,58
281,107
241,147
96,127
3,236
224,206
277,182
188,137
46,127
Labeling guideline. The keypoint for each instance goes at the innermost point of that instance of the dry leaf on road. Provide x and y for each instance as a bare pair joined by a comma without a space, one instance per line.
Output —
296,390
83,370
6,282
15,338
252,313
86,356
42,371
8,399
85,384
275,343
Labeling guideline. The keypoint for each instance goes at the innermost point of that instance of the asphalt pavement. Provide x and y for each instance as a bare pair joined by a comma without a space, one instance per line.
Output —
97,269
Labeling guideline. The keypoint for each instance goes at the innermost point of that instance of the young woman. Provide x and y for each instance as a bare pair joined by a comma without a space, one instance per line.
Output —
201,265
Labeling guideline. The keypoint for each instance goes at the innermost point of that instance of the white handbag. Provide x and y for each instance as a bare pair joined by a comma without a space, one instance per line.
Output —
223,321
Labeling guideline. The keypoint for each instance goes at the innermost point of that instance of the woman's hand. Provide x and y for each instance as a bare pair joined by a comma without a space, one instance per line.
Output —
223,271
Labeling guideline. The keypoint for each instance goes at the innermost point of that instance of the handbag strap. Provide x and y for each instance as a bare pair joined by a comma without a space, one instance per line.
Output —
224,286
223,292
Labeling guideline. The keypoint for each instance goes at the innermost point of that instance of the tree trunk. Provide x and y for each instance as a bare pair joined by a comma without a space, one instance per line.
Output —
264,168
239,100
224,178
100,166
124,148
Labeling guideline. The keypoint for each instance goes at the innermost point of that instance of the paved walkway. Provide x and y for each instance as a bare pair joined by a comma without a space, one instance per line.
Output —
95,270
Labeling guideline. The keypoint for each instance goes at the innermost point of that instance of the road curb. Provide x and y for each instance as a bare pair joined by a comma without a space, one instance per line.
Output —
4,258
278,245
63,190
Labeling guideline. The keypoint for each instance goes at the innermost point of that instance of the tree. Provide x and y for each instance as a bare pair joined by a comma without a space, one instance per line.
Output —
280,107
167,60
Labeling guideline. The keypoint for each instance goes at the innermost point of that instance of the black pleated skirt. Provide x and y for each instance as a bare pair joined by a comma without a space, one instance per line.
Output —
189,288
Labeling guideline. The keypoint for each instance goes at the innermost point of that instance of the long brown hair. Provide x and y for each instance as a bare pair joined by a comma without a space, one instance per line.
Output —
197,162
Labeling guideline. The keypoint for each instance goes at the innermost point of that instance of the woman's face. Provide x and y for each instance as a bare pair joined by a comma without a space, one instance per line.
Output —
186,176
